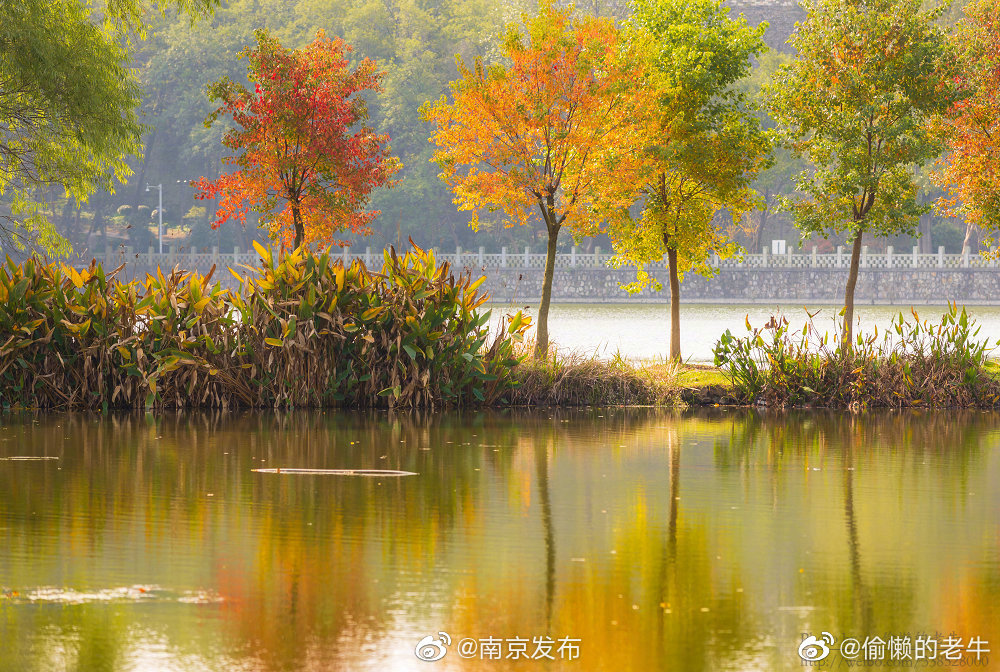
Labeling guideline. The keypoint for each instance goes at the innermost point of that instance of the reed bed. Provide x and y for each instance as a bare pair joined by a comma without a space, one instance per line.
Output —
578,379
302,330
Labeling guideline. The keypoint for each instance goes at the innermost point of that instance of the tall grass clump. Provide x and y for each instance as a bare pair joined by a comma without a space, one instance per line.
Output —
576,379
922,364
301,330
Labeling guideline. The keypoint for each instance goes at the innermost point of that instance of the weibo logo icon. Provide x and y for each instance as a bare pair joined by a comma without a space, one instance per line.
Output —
813,648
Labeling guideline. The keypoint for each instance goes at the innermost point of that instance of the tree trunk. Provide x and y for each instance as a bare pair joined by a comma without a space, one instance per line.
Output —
101,225
542,333
675,306
759,233
852,280
926,244
968,236
300,233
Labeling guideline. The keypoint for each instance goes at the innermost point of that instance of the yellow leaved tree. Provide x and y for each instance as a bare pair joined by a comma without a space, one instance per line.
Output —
703,146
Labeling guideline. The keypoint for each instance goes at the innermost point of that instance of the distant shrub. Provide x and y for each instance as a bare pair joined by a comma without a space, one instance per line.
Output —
923,365
302,330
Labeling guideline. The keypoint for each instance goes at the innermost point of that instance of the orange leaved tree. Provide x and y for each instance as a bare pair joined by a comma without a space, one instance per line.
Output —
532,138
970,172
305,160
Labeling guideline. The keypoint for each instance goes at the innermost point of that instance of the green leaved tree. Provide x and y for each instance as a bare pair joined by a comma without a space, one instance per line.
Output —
68,101
704,144
858,102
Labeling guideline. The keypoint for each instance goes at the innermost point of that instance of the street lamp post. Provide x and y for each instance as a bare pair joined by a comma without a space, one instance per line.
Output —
159,210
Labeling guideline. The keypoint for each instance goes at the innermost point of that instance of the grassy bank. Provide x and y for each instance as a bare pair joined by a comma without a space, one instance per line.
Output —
576,379
917,364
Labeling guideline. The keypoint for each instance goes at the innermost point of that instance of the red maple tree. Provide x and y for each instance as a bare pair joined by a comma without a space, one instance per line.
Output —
970,171
303,162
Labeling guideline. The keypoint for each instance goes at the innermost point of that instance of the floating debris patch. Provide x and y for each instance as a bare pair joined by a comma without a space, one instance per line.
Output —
138,593
338,472
27,458
200,597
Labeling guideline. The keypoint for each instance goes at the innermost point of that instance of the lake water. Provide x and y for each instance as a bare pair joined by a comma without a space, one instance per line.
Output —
638,539
643,330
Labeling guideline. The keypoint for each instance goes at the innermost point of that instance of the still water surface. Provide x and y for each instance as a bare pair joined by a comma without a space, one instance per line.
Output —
643,330
660,540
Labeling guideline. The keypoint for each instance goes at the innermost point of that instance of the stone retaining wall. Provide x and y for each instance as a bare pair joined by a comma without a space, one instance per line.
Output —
812,286
898,286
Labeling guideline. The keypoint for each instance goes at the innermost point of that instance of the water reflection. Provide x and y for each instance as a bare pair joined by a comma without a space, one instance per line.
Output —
661,540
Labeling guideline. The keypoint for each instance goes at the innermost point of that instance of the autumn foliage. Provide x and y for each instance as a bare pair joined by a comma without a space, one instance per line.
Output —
700,137
532,139
305,160
970,172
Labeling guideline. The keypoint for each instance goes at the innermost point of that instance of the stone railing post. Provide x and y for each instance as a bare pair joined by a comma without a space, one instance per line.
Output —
888,256
503,257
814,262
965,257
916,251
345,254
940,259
864,256
482,252
840,256
149,256
527,251
763,256
597,256
368,257
572,257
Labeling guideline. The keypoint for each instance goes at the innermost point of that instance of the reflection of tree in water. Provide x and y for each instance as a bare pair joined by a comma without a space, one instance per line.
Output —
893,455
298,558
775,435
668,588
663,591
714,640
302,562
311,566
542,474
97,644
970,598
862,598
